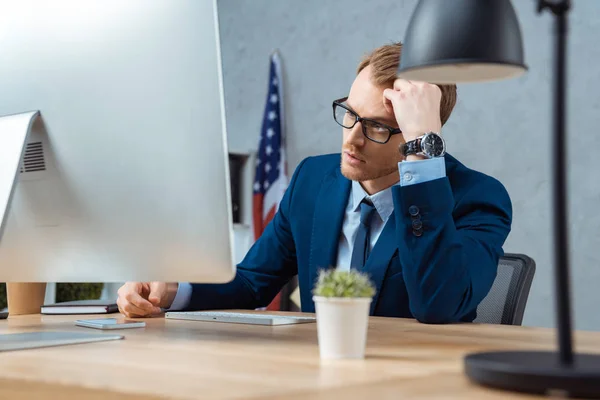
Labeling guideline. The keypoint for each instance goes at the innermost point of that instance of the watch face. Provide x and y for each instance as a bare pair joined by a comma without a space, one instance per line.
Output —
433,145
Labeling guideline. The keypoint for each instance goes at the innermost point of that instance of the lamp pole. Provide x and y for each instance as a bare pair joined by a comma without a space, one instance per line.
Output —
560,154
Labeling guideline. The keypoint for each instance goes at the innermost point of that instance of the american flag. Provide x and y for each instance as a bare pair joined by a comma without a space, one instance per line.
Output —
271,179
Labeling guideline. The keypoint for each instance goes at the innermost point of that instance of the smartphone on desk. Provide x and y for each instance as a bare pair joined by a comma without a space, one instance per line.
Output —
109,323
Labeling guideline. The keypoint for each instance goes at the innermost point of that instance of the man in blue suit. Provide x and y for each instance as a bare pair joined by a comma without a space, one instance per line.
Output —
428,230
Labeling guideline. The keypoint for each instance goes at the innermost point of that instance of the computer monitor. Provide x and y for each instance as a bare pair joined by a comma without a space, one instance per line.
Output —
125,174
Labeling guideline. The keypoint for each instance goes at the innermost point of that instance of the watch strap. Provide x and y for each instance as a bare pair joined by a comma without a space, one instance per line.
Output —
412,147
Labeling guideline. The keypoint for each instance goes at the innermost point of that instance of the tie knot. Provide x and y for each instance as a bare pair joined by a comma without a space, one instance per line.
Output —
366,210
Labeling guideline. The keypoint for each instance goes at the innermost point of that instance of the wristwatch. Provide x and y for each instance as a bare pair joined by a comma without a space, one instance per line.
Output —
429,145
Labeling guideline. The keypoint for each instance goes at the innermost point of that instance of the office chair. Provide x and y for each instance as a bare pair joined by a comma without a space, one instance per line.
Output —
505,303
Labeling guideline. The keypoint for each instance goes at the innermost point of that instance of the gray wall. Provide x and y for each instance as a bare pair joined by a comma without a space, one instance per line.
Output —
499,128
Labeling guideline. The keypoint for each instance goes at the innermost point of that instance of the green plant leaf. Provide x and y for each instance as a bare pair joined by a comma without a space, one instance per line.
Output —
336,283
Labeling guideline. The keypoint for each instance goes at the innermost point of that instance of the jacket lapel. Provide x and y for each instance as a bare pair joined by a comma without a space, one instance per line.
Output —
328,217
379,258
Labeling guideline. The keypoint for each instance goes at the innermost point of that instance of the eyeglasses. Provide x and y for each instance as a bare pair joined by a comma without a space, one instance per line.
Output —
373,130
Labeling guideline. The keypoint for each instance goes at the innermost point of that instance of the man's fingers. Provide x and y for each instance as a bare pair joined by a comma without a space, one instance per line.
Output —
132,302
157,293
391,95
403,85
129,287
434,88
131,310
154,300
162,294
124,308
157,302
139,302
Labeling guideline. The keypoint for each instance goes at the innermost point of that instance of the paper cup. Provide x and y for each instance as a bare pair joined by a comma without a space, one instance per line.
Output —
25,298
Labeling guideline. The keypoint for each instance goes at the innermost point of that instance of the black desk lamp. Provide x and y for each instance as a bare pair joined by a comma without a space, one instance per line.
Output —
480,40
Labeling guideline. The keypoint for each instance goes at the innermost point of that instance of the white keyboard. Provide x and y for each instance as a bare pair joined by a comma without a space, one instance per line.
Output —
239,318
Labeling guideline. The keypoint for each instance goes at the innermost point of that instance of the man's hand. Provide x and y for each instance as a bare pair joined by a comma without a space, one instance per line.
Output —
416,106
145,299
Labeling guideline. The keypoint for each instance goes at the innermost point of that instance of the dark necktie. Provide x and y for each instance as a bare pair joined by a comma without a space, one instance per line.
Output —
360,253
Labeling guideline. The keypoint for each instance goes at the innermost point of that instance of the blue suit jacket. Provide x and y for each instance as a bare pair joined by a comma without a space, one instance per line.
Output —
436,275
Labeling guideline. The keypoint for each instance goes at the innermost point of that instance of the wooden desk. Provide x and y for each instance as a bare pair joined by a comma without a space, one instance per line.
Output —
188,359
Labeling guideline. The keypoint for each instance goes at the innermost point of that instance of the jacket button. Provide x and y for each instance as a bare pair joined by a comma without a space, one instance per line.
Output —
418,232
413,210
417,224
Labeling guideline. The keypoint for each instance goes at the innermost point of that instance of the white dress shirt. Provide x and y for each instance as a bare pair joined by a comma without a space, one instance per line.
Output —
411,173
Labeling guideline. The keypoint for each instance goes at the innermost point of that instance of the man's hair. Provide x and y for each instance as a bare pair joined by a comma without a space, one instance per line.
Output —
384,62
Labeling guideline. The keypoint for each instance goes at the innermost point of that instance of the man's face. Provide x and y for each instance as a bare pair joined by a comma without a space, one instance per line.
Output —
363,159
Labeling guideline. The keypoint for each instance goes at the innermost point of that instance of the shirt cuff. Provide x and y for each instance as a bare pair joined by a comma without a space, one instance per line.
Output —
182,298
413,172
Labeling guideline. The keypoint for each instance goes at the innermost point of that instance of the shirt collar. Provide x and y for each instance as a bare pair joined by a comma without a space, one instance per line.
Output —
383,200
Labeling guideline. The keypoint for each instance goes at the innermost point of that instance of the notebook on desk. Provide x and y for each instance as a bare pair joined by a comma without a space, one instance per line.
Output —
81,307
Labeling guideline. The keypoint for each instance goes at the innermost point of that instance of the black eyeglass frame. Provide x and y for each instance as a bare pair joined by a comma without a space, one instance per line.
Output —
357,118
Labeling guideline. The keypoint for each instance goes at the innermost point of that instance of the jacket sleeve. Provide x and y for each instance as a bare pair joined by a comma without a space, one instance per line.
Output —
268,266
449,248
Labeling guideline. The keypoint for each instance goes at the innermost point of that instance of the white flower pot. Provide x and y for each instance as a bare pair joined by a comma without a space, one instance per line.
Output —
342,326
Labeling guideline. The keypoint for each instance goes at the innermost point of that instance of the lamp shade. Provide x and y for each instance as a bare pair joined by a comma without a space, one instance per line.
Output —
462,41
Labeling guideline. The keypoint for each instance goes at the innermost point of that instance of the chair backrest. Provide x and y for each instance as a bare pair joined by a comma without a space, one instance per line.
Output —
506,300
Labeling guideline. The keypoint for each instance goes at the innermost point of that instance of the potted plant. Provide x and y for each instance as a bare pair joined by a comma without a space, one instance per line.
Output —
342,300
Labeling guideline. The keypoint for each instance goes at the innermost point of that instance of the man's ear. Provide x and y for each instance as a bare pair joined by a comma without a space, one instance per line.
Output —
387,104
